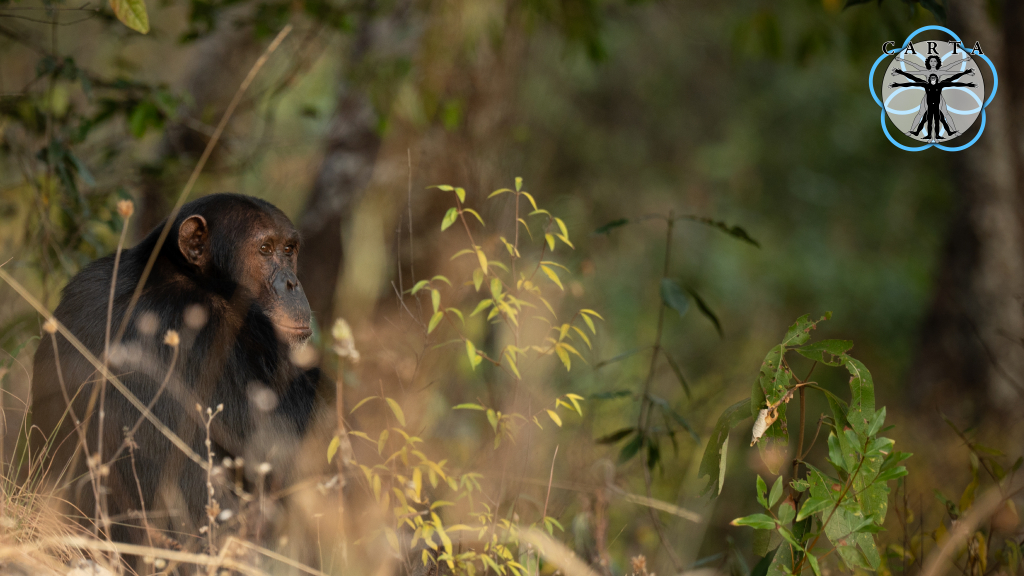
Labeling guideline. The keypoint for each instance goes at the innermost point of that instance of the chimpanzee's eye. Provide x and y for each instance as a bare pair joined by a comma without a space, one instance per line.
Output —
289,249
265,248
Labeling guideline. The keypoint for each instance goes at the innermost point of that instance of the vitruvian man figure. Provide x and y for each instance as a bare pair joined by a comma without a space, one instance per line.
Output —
933,105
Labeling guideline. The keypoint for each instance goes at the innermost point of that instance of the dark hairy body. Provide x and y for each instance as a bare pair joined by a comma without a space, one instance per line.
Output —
225,283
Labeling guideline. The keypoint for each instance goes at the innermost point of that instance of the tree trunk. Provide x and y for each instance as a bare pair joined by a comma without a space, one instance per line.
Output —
350,153
971,357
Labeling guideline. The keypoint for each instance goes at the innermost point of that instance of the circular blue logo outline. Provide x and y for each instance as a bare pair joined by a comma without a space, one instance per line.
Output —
885,129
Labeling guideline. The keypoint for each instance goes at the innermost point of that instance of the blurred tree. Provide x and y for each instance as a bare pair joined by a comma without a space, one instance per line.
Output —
971,354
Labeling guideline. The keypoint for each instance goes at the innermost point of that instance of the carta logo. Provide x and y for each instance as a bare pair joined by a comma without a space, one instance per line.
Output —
933,91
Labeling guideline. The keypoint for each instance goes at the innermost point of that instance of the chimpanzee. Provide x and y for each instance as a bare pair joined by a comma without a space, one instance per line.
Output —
224,282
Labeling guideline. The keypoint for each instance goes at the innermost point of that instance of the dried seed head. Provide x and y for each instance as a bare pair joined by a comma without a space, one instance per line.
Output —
172,339
639,564
196,316
264,468
147,323
50,326
304,355
125,208
344,342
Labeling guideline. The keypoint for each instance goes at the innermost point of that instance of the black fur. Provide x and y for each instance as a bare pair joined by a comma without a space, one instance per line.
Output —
235,354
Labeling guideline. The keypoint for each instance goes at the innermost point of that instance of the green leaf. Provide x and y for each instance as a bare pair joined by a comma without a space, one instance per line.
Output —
776,493
773,384
706,311
607,228
468,407
443,187
620,357
673,415
630,449
734,231
482,305
762,490
782,561
713,462
814,564
674,297
132,13
786,512
862,397
474,358
835,453
615,436
611,395
461,193
812,506
877,423
761,568
449,218
678,371
758,521
829,352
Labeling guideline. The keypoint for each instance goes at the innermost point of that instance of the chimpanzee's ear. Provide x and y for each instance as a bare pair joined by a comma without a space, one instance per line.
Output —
194,240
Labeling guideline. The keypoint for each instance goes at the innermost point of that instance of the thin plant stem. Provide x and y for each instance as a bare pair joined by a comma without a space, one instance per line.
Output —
646,404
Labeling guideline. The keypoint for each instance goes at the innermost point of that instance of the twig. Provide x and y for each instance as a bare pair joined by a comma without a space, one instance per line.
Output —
646,404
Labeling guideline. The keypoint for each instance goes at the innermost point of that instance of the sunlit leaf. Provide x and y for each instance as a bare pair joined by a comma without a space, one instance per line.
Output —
399,415
555,418
449,218
434,321
361,402
474,213
332,448
132,13
461,193
551,274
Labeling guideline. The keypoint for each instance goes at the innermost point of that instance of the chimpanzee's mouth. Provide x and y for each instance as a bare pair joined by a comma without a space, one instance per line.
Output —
294,332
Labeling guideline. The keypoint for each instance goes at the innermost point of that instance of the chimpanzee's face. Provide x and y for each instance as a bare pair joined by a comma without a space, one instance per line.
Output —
270,257
258,249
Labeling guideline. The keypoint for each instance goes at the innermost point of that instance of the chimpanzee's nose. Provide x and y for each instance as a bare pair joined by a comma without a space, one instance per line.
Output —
287,282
